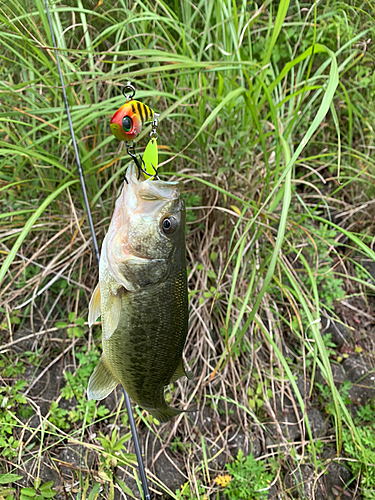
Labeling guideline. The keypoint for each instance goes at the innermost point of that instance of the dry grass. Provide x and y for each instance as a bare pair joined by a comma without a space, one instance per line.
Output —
238,125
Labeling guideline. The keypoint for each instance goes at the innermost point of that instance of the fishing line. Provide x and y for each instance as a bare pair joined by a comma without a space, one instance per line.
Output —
96,248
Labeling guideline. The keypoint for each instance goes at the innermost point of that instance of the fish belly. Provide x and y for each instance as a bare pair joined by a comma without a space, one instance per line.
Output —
145,351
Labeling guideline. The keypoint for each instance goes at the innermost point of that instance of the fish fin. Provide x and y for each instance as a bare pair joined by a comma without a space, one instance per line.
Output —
101,382
94,306
164,414
181,372
112,315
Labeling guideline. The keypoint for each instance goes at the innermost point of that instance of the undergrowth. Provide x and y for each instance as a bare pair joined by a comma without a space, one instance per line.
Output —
266,117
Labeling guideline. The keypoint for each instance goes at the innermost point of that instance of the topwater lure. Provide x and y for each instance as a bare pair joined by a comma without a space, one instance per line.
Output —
126,124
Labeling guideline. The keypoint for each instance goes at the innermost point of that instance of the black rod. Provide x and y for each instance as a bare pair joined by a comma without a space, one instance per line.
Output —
137,448
96,248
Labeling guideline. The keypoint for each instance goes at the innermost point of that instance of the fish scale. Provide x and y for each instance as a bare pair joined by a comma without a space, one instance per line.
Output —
138,351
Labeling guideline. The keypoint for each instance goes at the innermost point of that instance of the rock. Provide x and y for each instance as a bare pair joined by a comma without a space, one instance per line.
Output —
369,265
246,444
359,373
340,334
291,426
338,374
304,387
273,493
317,421
73,458
335,480
355,368
165,467
288,424
301,484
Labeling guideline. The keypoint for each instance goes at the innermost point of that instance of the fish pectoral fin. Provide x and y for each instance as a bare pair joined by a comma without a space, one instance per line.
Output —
112,315
181,372
94,306
101,382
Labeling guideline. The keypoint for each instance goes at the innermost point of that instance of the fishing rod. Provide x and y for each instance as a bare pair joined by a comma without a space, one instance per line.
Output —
133,428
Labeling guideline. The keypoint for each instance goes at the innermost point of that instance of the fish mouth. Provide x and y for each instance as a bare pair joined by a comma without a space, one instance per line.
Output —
145,203
136,233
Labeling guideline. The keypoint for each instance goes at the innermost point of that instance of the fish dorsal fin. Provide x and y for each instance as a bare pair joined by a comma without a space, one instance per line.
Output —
101,382
112,315
94,306
181,372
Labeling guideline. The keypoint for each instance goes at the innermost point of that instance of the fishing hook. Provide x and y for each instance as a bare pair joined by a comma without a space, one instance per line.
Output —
130,148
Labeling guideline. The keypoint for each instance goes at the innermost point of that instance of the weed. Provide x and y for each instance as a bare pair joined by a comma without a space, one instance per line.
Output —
363,459
75,388
39,492
12,403
266,106
112,456
249,478
255,397
188,493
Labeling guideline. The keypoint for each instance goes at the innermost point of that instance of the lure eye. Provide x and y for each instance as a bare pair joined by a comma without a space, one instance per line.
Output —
168,225
127,123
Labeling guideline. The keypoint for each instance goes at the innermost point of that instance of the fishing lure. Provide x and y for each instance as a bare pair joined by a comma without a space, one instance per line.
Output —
126,124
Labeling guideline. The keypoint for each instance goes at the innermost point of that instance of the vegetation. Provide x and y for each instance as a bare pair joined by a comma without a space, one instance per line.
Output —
267,117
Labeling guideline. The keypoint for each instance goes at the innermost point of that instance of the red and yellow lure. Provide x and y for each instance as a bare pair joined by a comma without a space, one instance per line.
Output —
126,125
127,122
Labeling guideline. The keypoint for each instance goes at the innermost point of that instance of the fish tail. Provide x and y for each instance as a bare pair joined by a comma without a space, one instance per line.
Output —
164,414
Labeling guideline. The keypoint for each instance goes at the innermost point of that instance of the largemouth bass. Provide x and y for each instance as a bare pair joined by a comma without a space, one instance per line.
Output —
142,295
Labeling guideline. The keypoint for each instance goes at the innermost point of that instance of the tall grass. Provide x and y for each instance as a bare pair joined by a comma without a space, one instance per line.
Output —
264,111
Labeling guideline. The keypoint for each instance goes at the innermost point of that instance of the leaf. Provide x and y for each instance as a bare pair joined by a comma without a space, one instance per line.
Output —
61,324
94,492
9,478
49,493
124,488
103,475
236,209
46,486
29,492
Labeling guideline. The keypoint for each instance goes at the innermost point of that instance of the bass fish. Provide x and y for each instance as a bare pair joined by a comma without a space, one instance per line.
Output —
142,296
127,122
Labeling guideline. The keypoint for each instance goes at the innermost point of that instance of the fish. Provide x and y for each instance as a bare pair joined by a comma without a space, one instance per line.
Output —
127,122
142,296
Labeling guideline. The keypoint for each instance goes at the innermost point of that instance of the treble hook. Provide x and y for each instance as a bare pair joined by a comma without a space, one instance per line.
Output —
130,148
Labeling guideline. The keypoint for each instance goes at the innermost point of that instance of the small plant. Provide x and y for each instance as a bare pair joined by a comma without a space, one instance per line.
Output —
112,456
12,403
255,397
188,493
249,479
38,492
75,388
326,395
364,457
331,287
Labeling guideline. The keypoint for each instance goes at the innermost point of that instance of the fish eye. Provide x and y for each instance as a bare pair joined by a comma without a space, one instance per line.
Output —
168,225
127,123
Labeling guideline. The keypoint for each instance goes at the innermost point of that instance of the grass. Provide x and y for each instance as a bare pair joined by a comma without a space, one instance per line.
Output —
265,116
